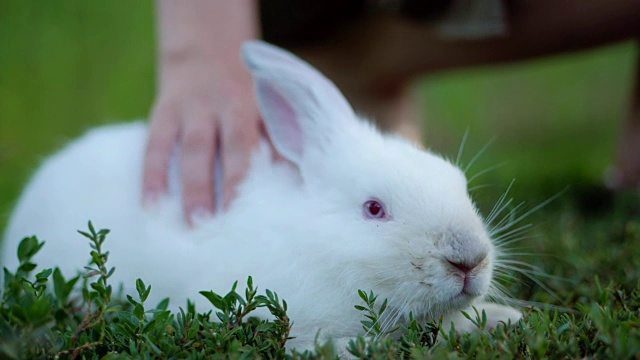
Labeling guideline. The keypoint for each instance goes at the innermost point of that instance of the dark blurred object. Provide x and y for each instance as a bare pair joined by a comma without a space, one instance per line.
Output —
292,23
592,199
595,200
421,10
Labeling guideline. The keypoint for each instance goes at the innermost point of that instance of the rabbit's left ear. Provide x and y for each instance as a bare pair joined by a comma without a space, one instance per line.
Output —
301,108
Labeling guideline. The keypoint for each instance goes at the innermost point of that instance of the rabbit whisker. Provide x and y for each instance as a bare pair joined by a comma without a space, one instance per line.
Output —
477,187
461,148
512,233
482,172
532,276
498,206
477,155
503,243
507,221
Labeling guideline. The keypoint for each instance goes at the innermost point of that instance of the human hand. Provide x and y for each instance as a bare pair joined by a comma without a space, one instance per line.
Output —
206,108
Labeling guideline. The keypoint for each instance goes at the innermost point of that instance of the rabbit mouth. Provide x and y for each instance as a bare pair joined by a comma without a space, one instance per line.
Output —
466,289
467,294
461,300
471,286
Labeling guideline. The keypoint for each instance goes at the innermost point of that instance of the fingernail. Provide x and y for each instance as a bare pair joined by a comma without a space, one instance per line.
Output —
150,198
228,200
199,214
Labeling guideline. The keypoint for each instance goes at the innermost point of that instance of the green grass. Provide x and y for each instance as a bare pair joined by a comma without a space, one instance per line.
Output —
67,66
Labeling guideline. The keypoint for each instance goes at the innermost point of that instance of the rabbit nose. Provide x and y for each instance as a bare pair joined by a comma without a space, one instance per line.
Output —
465,268
467,265
466,251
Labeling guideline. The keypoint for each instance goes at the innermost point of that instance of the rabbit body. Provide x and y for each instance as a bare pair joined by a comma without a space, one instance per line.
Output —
299,226
98,177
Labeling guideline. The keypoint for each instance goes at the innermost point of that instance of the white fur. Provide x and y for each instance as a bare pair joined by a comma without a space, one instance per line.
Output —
297,226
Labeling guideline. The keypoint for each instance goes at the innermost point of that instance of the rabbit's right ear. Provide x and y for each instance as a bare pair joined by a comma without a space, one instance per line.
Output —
301,108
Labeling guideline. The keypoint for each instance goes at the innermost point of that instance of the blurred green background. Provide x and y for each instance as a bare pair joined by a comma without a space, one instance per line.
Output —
66,66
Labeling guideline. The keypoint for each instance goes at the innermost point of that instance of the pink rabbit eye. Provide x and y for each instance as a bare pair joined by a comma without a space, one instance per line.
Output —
373,209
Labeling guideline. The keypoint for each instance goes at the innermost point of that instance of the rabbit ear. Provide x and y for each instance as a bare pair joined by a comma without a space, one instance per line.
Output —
301,108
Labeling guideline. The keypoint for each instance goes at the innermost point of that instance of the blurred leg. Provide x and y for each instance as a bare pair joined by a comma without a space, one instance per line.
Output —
374,62
627,171
536,28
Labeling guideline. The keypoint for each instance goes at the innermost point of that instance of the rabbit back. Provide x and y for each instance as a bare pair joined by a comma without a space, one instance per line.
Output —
97,177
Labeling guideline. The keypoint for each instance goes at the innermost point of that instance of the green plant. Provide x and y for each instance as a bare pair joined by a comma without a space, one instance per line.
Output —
38,323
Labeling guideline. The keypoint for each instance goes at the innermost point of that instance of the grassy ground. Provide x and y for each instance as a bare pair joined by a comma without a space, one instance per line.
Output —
67,66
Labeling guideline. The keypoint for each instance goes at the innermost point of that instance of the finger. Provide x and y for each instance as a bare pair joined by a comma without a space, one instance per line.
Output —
238,142
163,133
197,153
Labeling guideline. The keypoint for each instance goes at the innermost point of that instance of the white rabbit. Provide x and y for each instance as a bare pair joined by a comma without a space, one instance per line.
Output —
348,209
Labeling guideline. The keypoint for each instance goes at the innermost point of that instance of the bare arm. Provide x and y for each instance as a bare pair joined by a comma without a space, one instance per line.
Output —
537,28
205,100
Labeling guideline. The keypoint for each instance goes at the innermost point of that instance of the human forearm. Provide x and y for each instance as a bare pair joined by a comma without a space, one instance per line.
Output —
213,29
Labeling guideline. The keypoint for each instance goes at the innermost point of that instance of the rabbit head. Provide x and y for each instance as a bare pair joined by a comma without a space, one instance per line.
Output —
386,215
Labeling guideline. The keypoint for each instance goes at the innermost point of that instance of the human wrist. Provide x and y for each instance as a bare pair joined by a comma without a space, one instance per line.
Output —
192,31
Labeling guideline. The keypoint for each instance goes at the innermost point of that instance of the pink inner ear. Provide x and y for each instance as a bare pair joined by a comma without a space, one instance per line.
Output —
283,123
